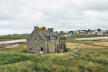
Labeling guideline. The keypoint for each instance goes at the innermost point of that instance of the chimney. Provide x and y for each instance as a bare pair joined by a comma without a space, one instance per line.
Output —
50,29
36,27
43,28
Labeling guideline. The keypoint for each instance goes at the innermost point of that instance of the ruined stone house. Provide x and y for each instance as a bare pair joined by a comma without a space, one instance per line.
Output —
43,40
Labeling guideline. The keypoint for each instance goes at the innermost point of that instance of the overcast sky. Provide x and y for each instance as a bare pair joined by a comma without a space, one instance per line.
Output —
20,16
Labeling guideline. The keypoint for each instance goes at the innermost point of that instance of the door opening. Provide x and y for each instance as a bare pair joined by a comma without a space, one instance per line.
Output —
41,50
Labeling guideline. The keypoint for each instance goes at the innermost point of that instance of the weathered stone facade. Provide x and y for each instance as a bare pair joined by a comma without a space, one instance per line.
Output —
43,40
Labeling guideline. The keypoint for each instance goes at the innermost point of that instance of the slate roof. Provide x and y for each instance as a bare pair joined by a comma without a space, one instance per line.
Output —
48,35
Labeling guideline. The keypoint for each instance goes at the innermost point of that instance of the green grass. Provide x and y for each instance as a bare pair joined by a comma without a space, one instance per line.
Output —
17,59
6,58
74,60
14,36
17,49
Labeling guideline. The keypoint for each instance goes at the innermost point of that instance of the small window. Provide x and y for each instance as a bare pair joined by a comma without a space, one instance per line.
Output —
36,39
31,50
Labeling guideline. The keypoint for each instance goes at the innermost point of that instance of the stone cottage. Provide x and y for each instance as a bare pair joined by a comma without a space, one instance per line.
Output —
43,40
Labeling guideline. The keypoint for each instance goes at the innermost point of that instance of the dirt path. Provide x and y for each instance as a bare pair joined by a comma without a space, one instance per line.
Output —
13,41
93,38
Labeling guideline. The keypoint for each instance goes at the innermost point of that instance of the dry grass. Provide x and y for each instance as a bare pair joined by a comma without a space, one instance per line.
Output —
16,49
101,43
79,45
88,44
87,56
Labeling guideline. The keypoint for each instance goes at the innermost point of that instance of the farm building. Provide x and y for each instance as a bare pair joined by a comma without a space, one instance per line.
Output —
71,33
43,40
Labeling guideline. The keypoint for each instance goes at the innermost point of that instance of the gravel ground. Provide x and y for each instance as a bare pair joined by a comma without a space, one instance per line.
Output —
93,38
12,41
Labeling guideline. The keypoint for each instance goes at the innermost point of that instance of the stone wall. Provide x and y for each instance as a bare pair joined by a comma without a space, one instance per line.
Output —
37,44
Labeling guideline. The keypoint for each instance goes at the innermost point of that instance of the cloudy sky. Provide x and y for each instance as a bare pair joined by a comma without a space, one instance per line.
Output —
20,16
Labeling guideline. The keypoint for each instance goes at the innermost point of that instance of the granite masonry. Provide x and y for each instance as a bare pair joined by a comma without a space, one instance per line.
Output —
43,40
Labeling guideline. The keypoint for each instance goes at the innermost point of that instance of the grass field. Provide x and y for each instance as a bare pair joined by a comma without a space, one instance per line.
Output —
81,56
14,36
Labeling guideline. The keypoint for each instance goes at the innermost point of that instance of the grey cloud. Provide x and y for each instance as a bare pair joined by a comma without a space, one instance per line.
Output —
60,14
99,5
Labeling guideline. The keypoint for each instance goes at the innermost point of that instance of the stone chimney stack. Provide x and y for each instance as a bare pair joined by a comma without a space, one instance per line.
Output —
36,28
50,29
43,28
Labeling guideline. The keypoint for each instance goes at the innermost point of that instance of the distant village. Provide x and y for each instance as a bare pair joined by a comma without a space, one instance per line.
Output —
99,32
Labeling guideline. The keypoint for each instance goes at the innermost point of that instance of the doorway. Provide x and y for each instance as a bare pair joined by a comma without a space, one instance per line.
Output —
41,50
